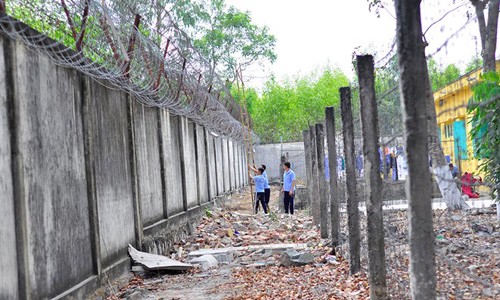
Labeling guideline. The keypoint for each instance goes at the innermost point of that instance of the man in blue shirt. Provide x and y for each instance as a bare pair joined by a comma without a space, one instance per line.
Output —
267,188
260,184
288,188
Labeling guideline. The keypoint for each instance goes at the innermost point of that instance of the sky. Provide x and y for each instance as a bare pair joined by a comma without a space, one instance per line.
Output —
312,34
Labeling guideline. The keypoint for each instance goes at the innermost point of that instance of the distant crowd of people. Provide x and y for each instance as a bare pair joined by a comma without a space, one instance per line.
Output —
393,164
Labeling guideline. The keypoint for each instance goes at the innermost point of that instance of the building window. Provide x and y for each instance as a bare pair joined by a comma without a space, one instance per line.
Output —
448,130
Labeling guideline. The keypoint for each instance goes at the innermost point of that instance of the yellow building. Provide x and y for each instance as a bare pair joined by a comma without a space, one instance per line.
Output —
454,122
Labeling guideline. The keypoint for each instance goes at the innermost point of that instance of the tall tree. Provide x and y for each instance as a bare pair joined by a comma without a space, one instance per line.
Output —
487,30
226,37
230,40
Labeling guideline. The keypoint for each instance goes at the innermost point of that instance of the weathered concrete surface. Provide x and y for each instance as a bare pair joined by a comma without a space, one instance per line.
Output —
8,252
243,166
201,165
110,148
269,155
189,160
225,161
219,159
172,160
301,197
51,158
232,173
156,262
206,262
84,171
211,161
237,163
148,172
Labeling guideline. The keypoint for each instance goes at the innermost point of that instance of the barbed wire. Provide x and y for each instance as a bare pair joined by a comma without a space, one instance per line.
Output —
154,61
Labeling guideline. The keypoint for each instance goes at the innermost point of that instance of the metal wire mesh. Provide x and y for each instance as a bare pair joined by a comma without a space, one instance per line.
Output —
149,58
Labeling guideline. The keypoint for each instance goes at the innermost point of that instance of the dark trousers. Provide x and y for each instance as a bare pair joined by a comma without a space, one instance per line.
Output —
288,202
267,196
260,197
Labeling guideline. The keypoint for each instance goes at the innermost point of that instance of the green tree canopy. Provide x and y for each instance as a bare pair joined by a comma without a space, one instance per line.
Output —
441,77
286,108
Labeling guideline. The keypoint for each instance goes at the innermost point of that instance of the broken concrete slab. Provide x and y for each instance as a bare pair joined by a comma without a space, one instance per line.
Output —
206,262
154,262
294,258
258,265
270,247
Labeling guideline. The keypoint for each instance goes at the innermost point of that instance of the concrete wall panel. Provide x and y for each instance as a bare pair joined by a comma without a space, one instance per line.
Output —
54,186
232,175
270,155
8,252
225,161
189,160
172,161
219,159
239,166
201,164
212,175
148,169
110,147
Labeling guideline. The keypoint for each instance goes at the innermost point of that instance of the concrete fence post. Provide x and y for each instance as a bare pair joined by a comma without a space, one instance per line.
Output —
323,198
352,194
373,189
182,151
332,166
314,180
414,83
307,153
134,176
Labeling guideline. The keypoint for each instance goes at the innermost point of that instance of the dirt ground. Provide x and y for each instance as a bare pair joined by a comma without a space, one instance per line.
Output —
467,258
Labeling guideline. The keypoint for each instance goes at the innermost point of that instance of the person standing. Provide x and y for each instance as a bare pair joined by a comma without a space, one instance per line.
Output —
267,188
260,183
288,188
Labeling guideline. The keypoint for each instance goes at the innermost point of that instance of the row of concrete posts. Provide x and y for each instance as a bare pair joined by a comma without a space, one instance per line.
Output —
326,197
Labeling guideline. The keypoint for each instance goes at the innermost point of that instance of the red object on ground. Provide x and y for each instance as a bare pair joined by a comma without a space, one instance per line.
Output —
467,181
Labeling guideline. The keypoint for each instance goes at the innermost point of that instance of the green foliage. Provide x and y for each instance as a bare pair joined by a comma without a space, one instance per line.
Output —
485,132
441,77
224,35
60,32
250,94
227,37
208,213
475,63
285,109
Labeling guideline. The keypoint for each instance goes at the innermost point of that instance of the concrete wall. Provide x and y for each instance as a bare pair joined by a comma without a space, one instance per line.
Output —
201,164
270,155
8,253
211,162
219,159
173,163
85,170
147,152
